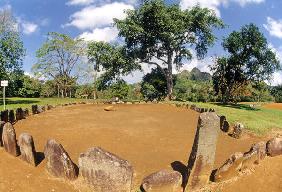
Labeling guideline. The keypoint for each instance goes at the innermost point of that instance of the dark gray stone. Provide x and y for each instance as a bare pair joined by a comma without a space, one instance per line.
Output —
2,123
105,171
19,114
5,115
34,109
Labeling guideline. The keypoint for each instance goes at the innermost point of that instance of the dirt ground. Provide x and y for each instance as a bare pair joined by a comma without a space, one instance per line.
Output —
150,137
273,106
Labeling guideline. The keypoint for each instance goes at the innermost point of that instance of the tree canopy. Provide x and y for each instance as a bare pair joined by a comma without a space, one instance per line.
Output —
249,60
163,35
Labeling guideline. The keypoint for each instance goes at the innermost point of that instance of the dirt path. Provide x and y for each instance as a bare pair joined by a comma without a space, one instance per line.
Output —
151,137
273,106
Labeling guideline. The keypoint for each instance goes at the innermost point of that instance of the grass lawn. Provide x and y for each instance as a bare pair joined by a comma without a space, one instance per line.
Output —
259,120
16,102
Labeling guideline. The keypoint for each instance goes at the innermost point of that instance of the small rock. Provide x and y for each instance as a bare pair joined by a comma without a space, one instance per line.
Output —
27,148
274,147
109,108
230,168
164,180
9,140
59,164
105,171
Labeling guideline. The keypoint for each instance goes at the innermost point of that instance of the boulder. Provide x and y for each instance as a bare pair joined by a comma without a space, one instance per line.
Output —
5,115
237,130
2,123
59,164
9,140
260,148
202,157
164,180
27,148
109,108
274,147
104,171
230,168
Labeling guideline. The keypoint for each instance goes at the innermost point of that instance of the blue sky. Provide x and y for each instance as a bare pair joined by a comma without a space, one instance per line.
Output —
92,20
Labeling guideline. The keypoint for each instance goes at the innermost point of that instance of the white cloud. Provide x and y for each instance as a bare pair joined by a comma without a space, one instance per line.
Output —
215,4
274,27
79,2
92,17
29,27
277,76
107,34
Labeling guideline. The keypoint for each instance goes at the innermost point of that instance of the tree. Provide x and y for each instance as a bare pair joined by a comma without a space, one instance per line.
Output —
12,51
111,60
58,59
250,60
277,93
153,85
162,35
31,87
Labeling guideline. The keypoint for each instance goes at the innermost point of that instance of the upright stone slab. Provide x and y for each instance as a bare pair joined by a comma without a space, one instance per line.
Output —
27,148
26,112
104,171
9,139
59,164
12,118
34,109
5,115
201,160
19,114
2,123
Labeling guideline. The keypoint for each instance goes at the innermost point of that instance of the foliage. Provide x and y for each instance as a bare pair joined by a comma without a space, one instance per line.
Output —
165,34
276,92
111,59
11,46
84,90
31,87
48,89
58,58
250,60
153,85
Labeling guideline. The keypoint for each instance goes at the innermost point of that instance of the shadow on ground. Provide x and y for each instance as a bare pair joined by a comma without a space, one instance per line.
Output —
13,102
239,106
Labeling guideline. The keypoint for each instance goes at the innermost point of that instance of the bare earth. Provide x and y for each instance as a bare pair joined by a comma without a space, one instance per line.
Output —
273,106
151,137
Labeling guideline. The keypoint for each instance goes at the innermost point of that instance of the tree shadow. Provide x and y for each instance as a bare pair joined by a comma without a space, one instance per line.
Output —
8,101
239,106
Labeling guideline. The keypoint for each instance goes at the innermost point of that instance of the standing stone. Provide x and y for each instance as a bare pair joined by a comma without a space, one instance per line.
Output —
224,125
5,116
59,164
274,147
201,160
34,109
164,180
2,123
12,116
26,112
105,171
27,148
237,131
260,148
19,114
40,109
230,168
9,139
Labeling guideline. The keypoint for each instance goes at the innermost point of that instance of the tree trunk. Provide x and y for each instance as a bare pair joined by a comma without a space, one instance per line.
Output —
169,79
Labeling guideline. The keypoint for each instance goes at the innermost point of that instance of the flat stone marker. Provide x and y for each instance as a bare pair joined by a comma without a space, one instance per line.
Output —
27,148
2,123
161,181
109,108
104,171
9,139
59,164
201,160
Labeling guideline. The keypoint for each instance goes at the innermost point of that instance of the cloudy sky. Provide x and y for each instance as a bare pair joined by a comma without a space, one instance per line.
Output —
92,20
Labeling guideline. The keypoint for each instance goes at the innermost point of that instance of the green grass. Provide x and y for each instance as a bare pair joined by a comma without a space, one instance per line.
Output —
259,120
15,102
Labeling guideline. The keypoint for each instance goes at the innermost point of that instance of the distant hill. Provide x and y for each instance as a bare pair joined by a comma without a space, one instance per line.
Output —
195,74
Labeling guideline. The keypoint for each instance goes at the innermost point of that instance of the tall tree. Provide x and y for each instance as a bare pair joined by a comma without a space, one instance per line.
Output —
163,35
111,60
249,60
58,59
12,50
